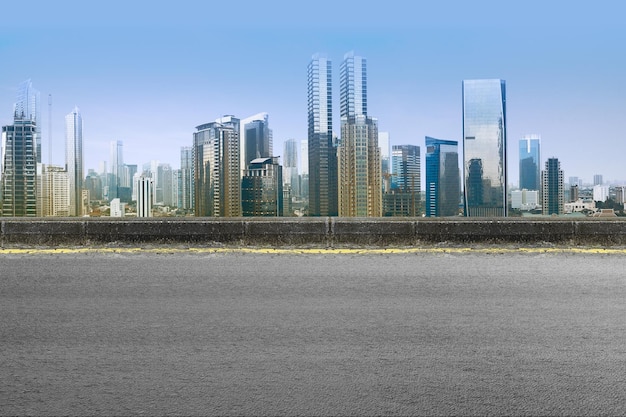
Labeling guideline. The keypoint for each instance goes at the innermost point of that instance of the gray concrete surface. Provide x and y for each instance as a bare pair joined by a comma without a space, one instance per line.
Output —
282,333
325,232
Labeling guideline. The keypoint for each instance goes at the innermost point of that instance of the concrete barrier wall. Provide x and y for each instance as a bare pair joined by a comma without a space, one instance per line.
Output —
315,231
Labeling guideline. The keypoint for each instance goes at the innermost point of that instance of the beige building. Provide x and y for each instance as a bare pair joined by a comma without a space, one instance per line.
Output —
54,192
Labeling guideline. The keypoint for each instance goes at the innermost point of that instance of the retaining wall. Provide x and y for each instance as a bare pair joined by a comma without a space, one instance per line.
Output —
315,231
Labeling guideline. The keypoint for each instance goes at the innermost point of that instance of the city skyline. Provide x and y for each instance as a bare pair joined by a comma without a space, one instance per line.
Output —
141,76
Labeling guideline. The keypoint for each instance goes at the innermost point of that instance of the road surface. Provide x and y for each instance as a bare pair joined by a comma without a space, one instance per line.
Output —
329,332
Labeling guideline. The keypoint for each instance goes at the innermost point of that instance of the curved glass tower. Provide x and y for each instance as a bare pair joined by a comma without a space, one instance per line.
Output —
484,148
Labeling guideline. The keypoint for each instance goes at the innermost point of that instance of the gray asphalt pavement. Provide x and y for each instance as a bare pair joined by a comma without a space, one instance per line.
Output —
282,333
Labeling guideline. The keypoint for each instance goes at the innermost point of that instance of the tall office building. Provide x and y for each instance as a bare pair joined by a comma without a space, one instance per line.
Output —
529,162
186,179
28,107
74,160
19,168
290,166
443,180
256,139
484,148
262,188
359,170
321,144
403,199
144,196
55,192
116,168
217,174
406,167
552,191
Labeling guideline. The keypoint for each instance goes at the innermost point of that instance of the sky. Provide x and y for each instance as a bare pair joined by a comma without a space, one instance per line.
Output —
147,73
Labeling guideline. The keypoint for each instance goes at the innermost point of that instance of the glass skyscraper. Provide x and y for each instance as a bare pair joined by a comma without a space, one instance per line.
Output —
484,148
28,107
74,163
404,197
322,149
529,162
185,187
256,139
443,181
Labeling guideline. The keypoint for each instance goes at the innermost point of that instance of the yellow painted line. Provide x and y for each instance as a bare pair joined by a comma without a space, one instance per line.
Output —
304,251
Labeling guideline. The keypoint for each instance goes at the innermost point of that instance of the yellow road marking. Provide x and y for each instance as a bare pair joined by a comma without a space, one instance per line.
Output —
302,251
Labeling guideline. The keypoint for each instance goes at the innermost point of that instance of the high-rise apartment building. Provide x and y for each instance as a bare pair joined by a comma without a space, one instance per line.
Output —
217,174
598,180
262,188
443,180
186,189
74,160
385,159
359,169
55,192
484,148
529,162
321,144
552,191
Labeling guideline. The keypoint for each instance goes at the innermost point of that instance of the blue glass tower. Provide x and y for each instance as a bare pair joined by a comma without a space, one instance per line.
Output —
529,159
484,148
443,181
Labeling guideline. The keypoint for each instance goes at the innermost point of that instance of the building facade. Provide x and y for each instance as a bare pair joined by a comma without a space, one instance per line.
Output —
19,169
217,174
359,169
74,160
443,180
28,107
262,188
144,196
256,139
552,191
186,188
484,148
403,199
322,150
530,162
290,166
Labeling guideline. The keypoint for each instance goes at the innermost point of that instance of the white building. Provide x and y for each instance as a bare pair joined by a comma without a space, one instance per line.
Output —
117,208
144,197
600,192
525,200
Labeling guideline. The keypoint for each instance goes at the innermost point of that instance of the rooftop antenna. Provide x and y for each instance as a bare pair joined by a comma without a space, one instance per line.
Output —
49,129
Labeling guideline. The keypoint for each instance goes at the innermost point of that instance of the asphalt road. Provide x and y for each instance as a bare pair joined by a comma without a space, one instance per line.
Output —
227,332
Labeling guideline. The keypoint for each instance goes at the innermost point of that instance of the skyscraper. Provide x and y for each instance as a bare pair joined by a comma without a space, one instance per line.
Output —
404,197
256,139
529,162
443,180
74,160
290,165
322,147
217,174
484,148
19,168
27,107
144,197
262,188
116,167
359,169
186,178
552,191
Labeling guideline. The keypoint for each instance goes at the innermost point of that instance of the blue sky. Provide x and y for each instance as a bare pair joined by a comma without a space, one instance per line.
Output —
147,74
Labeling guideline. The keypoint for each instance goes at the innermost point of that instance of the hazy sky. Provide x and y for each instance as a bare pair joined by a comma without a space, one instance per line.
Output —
148,73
